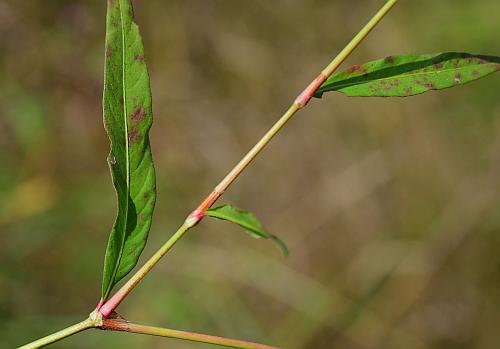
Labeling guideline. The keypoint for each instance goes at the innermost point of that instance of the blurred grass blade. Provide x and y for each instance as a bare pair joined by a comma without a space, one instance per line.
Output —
127,119
408,75
247,221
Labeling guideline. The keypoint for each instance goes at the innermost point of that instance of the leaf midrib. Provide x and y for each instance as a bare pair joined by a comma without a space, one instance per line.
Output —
242,223
338,87
127,155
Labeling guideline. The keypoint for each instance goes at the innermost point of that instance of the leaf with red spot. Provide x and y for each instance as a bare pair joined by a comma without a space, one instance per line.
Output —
127,119
408,75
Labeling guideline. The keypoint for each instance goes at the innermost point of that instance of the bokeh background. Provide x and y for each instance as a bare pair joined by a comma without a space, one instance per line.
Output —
390,207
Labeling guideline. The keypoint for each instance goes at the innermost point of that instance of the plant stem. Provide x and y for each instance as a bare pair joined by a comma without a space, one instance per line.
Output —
120,295
198,214
69,331
300,102
125,326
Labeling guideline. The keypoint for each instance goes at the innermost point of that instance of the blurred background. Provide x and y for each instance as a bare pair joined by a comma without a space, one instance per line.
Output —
390,207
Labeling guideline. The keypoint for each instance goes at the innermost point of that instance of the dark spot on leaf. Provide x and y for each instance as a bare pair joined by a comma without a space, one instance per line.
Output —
438,65
458,77
146,195
389,59
138,114
353,69
139,58
430,86
469,60
134,136
481,61
408,90
109,51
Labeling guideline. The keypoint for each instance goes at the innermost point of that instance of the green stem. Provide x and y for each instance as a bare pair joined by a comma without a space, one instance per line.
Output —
300,102
372,23
198,214
125,326
69,331
110,305
120,295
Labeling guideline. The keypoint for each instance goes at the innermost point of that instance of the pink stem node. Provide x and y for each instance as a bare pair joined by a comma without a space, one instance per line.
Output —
306,95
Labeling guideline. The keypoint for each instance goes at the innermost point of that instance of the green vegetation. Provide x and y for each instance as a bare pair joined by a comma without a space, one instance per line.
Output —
128,118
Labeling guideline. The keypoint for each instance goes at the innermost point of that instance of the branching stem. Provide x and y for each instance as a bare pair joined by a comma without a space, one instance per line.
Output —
69,331
120,295
299,103
105,308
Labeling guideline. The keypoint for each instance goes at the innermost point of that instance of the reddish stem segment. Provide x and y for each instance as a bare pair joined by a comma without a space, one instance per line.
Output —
120,324
308,93
197,215
120,295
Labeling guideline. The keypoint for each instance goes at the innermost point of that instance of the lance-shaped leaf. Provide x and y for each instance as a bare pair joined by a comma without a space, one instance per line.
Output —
247,221
408,75
127,119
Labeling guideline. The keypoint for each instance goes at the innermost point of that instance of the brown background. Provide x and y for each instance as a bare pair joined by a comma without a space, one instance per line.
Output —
390,207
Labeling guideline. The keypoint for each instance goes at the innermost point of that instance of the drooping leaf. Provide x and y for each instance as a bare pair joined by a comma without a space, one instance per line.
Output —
247,221
127,119
408,75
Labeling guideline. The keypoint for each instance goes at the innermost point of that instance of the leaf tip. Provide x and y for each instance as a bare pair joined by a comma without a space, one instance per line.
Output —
282,246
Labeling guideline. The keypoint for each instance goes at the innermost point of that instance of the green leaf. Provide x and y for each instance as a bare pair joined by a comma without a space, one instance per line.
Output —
247,221
127,119
408,75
